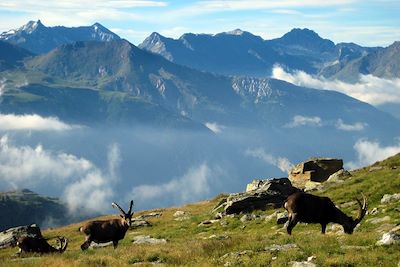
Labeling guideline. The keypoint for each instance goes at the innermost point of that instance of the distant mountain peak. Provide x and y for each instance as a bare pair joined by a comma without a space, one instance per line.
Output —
236,32
31,26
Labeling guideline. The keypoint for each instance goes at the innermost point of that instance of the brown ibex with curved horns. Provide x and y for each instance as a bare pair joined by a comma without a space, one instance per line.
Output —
303,207
40,245
107,230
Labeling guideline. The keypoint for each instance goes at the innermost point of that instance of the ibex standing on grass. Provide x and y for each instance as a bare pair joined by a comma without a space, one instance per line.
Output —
107,230
308,208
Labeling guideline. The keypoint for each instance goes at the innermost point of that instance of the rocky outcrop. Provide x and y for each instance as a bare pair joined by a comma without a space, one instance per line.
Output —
8,238
145,239
387,198
270,194
315,170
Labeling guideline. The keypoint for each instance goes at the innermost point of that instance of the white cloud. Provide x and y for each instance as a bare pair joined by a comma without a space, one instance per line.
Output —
299,120
192,186
358,126
368,152
369,88
2,85
34,122
282,163
215,127
85,185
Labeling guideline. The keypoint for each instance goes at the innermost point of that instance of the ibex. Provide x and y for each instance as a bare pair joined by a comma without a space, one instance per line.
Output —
40,245
107,230
303,207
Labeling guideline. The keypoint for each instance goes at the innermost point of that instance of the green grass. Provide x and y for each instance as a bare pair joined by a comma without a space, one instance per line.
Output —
243,244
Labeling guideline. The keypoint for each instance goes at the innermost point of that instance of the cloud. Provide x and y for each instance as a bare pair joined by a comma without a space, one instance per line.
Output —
368,152
358,126
215,127
282,163
2,85
86,188
370,89
33,122
192,186
299,120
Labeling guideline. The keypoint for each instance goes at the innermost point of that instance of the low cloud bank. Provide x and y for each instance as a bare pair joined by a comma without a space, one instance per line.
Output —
280,162
369,88
358,126
368,152
33,122
192,186
86,188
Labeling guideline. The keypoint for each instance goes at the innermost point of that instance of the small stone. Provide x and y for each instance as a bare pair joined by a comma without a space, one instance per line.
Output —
94,245
282,217
207,222
311,258
374,211
181,215
271,216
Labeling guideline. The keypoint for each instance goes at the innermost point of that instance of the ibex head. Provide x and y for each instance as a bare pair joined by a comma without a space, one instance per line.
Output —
349,226
126,216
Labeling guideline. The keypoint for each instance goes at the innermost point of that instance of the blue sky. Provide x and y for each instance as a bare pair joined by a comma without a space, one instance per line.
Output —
366,22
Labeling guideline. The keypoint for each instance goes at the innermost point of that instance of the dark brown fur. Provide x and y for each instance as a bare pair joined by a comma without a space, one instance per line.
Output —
303,207
40,245
107,230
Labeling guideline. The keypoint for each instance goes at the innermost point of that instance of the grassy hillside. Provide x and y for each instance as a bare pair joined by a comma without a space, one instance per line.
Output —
233,242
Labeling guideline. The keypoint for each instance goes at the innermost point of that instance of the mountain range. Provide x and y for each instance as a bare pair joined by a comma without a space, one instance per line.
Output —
38,39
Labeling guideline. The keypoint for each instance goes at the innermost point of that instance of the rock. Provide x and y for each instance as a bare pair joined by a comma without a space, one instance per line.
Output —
379,220
338,176
149,215
313,186
272,194
303,264
250,217
207,222
311,258
315,170
374,211
139,223
94,245
282,217
276,247
390,198
217,237
146,239
390,238
9,237
180,215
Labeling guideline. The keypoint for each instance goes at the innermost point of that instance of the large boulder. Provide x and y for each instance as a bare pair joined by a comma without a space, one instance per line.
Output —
315,170
9,237
270,194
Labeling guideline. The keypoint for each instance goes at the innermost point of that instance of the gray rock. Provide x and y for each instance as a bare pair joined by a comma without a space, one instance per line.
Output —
139,223
180,215
149,215
374,211
250,217
276,247
271,217
303,264
146,239
390,238
9,237
282,217
207,222
387,198
94,245
271,195
338,176
313,186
